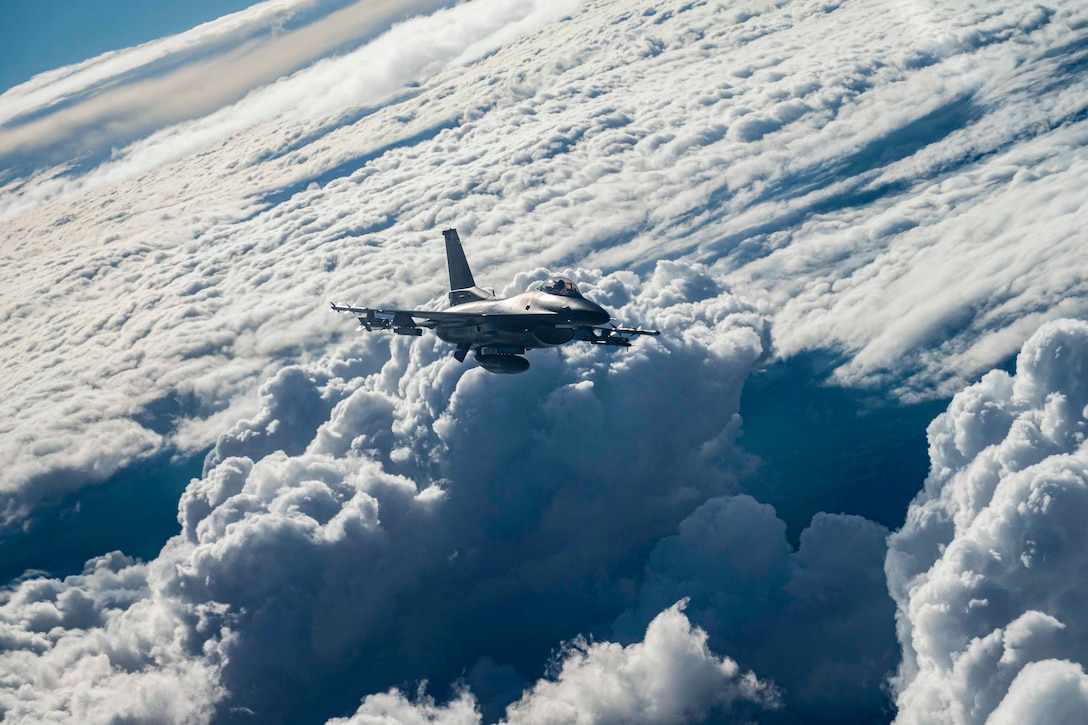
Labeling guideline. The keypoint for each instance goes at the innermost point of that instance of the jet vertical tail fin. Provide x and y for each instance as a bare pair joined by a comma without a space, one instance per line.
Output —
460,274
462,287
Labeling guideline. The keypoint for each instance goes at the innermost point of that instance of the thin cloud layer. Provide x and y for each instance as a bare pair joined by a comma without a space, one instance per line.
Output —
48,90
110,101
989,571
407,53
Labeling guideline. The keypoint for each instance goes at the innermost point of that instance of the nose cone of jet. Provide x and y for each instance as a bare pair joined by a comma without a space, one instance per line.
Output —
585,312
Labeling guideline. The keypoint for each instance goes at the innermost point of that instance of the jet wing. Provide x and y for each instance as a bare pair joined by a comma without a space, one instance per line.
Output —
407,322
611,335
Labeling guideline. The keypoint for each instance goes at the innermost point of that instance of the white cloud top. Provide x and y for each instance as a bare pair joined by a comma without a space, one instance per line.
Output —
989,571
669,677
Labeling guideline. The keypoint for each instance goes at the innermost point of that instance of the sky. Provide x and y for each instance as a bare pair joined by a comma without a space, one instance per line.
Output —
845,484
42,36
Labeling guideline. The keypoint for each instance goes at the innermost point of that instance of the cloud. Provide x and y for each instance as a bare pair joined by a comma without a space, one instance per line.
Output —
47,90
988,570
669,677
409,510
203,364
824,604
95,648
240,93
127,96
394,707
815,177
1047,691
604,150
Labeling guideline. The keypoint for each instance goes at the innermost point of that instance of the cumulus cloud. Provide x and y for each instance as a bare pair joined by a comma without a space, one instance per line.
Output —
670,676
825,603
988,572
410,510
99,647
1053,691
394,707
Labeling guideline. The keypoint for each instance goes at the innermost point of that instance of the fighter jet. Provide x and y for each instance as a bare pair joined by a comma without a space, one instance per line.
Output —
498,331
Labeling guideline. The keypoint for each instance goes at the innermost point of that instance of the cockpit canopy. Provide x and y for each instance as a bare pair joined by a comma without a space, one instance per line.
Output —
557,286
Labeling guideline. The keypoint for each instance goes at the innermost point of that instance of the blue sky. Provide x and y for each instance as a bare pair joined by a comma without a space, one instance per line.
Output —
41,36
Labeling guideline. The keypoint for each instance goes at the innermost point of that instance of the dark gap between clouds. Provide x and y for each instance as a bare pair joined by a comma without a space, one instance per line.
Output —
829,448
135,512
1073,61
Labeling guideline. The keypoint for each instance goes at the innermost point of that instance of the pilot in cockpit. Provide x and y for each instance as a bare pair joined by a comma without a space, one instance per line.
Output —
559,286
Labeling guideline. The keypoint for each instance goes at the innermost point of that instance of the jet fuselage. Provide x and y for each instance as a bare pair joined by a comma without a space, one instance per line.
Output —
550,313
531,319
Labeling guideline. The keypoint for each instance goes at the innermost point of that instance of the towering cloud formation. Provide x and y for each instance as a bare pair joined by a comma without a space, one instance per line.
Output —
990,572
369,527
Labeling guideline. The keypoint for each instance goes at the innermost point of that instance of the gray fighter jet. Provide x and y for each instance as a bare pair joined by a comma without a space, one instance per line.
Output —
499,330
